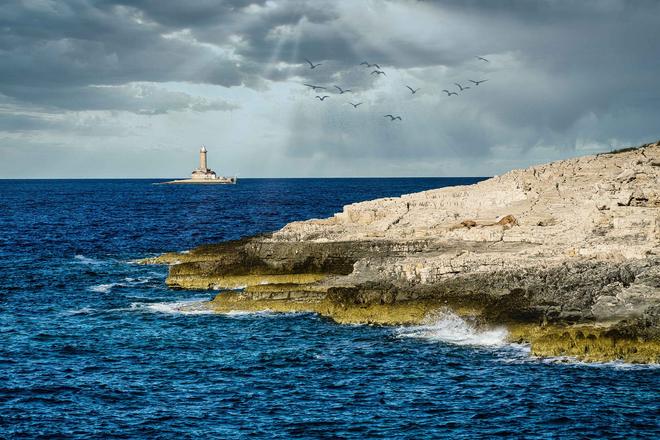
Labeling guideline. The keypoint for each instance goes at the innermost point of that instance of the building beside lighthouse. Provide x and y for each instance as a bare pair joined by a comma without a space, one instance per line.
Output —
203,174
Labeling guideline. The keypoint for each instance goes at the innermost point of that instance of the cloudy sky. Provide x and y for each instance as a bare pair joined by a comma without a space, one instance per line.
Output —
103,88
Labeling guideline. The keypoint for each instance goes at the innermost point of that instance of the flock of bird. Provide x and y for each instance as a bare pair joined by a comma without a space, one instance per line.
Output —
378,71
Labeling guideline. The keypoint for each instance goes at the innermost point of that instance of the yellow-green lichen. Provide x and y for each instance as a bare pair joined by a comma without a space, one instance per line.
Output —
591,343
240,281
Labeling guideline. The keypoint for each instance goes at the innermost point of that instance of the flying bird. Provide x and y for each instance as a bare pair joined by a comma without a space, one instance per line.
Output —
476,83
450,93
482,59
312,65
342,91
315,88
392,117
322,97
413,91
378,72
461,87
364,63
355,105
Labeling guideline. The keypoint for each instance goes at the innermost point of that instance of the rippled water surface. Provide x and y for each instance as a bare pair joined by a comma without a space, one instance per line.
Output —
93,346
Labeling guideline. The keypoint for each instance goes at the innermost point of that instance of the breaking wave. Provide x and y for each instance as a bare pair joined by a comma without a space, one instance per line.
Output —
187,307
128,282
446,326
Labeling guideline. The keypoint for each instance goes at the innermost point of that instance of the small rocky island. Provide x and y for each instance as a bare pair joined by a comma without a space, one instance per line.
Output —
565,255
204,174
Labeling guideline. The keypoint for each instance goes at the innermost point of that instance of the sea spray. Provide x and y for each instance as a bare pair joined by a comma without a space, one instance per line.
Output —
447,326
187,307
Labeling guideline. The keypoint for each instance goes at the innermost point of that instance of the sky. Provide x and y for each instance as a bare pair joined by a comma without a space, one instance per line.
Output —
104,88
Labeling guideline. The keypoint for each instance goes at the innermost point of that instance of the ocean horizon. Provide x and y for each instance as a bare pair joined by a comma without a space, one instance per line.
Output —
165,179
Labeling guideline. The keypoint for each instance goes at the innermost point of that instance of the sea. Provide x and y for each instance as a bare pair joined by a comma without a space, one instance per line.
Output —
94,346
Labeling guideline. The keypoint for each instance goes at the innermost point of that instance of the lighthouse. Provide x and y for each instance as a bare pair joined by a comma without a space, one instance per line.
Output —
202,159
203,174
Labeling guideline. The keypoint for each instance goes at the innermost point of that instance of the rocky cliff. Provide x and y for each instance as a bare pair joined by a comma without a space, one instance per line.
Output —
566,255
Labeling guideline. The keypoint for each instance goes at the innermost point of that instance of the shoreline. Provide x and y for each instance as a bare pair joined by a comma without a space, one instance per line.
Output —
565,255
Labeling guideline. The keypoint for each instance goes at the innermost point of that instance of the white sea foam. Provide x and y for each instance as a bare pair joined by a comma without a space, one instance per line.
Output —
135,281
127,282
199,307
446,326
86,260
188,307
83,311
576,363
104,288
617,365
243,313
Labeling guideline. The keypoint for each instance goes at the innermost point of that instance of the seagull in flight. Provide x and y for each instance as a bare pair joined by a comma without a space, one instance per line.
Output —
364,63
378,72
312,65
413,91
482,59
450,93
393,118
355,105
322,97
342,91
315,88
461,87
476,83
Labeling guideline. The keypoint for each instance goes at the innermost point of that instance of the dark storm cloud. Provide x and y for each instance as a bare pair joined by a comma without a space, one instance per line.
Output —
48,47
561,71
52,47
134,98
79,42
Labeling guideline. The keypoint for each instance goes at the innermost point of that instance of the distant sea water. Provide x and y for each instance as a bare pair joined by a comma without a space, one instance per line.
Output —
93,346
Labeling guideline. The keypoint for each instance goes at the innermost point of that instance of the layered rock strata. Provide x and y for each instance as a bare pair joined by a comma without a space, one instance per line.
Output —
566,255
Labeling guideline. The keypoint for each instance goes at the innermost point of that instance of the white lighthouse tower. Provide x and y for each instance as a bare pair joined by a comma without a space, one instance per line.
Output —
204,174
202,159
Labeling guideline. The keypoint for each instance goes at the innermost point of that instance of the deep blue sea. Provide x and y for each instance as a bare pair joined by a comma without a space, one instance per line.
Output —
93,346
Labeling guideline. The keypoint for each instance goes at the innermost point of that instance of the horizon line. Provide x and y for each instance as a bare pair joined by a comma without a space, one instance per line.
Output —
248,178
